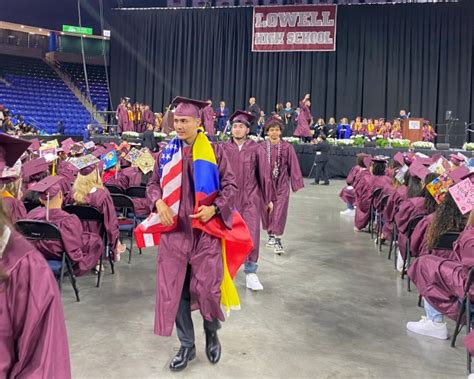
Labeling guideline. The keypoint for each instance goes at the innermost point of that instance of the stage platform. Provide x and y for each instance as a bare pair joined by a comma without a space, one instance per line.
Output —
341,158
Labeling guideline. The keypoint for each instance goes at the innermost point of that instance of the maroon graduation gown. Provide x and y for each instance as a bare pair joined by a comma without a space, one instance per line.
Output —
254,184
409,209
418,242
304,121
290,174
33,338
14,208
185,246
347,194
364,195
208,115
122,118
101,200
393,203
441,280
84,252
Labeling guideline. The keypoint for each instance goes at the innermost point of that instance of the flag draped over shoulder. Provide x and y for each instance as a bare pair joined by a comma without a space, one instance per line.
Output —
236,242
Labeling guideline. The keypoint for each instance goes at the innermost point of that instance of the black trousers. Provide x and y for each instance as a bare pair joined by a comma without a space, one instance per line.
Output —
321,172
184,322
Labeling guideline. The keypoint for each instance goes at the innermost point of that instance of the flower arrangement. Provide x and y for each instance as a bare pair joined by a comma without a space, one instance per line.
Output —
258,138
422,145
381,142
292,140
344,142
358,140
331,141
173,134
160,135
400,143
468,146
130,134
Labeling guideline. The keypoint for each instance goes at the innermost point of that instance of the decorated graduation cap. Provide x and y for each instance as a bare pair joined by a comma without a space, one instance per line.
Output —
34,167
10,174
273,121
86,164
457,159
380,159
242,117
417,169
109,159
459,174
185,107
11,149
35,145
435,157
145,162
425,161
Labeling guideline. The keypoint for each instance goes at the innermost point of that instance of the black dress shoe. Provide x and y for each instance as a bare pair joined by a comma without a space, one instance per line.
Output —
181,359
325,183
314,183
213,347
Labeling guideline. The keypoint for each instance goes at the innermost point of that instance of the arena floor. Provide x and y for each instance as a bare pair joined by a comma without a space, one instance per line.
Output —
332,307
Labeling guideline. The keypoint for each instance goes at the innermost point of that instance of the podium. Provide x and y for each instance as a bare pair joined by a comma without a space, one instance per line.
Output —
412,129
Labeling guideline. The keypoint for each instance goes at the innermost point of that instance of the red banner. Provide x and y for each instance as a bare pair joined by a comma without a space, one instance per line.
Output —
294,28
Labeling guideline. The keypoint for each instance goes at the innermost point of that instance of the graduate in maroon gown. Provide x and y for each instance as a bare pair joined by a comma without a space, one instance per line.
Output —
190,269
89,190
304,120
285,171
122,115
148,116
365,188
347,194
209,116
85,251
33,338
254,184
441,282
11,192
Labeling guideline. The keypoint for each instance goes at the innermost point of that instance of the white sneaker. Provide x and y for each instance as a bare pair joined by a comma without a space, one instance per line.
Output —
347,212
271,241
278,248
429,328
399,261
253,283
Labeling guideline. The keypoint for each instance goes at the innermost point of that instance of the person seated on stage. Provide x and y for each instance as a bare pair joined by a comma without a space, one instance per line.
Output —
88,189
371,130
331,128
83,248
384,129
358,128
319,128
344,129
441,281
365,188
410,208
347,194
396,132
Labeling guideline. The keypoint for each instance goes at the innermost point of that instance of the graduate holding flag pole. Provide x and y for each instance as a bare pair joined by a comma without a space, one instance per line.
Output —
202,241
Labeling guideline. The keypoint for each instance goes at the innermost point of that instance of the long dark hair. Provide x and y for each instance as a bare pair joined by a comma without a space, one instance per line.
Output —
415,187
378,168
430,203
3,224
448,218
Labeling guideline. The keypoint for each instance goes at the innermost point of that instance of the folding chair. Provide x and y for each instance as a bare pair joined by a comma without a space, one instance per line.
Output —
406,261
139,192
125,204
375,194
113,189
29,205
88,213
379,219
41,230
393,243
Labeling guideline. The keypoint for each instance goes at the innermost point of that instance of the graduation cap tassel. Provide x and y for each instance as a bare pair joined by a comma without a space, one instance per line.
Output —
47,207
53,170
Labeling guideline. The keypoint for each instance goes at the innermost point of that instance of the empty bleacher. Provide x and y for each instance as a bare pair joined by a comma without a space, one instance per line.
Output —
40,96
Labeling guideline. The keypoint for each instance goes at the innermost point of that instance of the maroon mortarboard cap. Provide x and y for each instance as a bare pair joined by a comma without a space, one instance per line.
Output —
33,167
399,158
68,171
456,159
185,107
242,117
423,161
35,144
419,170
48,186
11,149
99,151
67,142
273,121
435,157
367,161
459,174
469,175
380,159
362,155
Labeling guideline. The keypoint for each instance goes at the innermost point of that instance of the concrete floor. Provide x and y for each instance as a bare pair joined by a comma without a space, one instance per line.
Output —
332,307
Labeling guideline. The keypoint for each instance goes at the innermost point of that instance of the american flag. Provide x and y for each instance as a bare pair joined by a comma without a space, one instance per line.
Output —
148,232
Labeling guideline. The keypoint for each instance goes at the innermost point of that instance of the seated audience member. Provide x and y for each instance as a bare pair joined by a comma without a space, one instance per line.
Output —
331,128
365,188
83,248
89,190
347,194
358,129
441,280
396,132
344,129
319,128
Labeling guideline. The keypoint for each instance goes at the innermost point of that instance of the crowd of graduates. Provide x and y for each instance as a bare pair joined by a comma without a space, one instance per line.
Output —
419,206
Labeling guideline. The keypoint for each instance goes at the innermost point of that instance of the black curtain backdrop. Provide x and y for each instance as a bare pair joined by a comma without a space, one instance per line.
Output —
417,57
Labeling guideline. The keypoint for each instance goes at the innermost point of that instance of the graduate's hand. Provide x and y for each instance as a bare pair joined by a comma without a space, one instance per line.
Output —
205,213
270,207
165,213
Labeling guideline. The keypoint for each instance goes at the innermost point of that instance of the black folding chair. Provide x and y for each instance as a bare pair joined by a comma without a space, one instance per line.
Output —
383,204
125,204
29,205
88,213
138,192
40,231
375,195
406,261
393,243
113,189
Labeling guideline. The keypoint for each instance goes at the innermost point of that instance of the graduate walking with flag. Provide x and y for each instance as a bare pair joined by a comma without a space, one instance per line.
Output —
202,241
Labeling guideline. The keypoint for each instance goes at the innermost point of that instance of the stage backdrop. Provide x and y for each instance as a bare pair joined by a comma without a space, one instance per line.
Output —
418,57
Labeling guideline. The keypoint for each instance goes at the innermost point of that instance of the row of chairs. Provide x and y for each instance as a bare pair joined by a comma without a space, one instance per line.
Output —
445,242
43,230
